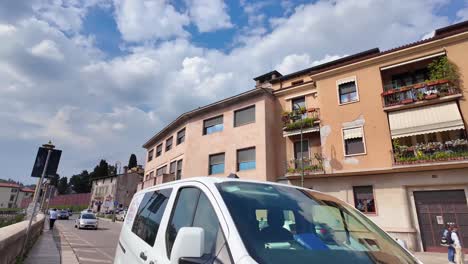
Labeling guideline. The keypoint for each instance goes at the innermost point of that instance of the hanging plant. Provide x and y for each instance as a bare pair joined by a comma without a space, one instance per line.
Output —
443,69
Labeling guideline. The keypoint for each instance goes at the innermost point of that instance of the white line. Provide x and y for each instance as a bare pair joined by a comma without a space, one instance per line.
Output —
86,250
94,260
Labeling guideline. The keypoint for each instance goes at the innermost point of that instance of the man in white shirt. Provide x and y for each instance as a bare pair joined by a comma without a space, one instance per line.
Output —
52,218
459,257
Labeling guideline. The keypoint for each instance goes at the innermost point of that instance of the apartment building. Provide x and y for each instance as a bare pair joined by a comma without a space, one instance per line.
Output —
229,136
390,136
12,194
384,131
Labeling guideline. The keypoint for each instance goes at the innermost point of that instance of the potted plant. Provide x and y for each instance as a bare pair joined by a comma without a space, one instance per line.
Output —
431,96
441,71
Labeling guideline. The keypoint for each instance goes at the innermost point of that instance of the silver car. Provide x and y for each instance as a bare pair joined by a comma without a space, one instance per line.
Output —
87,220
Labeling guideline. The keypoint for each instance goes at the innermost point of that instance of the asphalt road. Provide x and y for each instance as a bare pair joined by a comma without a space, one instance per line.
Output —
92,246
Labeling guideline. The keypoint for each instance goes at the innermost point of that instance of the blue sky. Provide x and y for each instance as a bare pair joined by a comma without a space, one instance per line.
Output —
100,77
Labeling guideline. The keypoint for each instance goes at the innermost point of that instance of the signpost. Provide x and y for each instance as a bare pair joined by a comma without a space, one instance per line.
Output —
46,163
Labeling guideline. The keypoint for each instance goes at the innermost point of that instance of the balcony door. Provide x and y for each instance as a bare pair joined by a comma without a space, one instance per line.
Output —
305,153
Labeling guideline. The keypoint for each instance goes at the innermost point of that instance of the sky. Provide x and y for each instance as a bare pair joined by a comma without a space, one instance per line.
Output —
100,77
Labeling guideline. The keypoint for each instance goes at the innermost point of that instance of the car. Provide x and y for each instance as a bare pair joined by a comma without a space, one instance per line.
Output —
70,212
121,215
226,220
87,211
63,214
87,220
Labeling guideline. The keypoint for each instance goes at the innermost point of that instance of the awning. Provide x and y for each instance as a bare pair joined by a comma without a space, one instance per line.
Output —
350,133
298,131
425,120
413,61
346,80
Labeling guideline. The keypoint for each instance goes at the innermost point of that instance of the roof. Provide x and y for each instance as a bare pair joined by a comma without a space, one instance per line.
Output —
9,185
214,106
27,190
268,75
439,34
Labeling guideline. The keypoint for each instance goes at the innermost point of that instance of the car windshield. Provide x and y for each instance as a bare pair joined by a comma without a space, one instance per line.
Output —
88,216
280,224
64,212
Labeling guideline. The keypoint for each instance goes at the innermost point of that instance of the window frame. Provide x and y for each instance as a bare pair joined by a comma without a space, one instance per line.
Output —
157,146
174,162
340,81
171,140
178,141
363,141
237,158
204,131
150,155
177,169
242,109
373,195
209,164
159,168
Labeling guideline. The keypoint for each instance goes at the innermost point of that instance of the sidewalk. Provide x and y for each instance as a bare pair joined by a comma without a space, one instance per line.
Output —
45,250
432,258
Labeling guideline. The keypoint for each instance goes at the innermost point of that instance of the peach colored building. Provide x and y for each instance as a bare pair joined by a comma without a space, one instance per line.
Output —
383,130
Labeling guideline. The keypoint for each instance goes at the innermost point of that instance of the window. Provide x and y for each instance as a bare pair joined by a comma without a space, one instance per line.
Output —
298,103
353,141
172,168
213,125
150,175
159,150
347,91
179,170
14,190
244,116
246,159
305,153
161,171
169,144
193,209
364,199
181,136
150,212
216,164
12,197
150,155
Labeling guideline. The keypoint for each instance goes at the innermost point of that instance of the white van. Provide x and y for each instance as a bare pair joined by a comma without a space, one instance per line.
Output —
214,220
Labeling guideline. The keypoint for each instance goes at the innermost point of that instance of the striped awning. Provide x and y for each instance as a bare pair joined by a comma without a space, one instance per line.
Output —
349,133
425,120
298,131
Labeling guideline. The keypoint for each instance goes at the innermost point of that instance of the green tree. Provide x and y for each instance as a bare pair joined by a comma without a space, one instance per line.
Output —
132,162
101,170
54,180
81,183
62,187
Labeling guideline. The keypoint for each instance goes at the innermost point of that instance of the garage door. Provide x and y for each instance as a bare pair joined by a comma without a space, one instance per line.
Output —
435,209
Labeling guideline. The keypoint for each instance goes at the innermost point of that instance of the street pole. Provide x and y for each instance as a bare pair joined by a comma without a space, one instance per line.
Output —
44,194
116,191
48,199
49,148
302,147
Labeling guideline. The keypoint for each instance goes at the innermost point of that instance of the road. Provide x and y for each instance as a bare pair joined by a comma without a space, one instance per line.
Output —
91,246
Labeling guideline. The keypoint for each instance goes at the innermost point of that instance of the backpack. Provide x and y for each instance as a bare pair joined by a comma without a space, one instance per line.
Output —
446,239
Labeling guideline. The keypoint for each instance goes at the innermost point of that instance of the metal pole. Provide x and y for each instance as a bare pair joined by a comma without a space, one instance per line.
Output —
116,192
302,147
36,197
44,194
48,199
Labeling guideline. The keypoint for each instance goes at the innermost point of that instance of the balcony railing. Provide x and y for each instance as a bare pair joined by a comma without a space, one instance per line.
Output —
309,118
453,150
311,165
418,92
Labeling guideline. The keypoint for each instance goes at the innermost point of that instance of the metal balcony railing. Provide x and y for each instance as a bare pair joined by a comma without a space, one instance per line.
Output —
292,122
418,92
311,165
452,150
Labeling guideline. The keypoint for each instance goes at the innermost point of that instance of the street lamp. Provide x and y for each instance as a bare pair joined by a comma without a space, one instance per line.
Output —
297,115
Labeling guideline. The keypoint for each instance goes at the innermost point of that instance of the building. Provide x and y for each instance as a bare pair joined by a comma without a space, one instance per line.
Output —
115,191
12,194
380,129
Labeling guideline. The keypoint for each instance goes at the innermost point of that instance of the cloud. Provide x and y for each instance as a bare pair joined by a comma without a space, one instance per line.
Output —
148,20
6,29
47,49
209,15
462,14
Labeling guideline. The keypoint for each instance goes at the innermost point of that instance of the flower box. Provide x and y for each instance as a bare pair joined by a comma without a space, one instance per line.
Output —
431,96
431,83
419,85
407,101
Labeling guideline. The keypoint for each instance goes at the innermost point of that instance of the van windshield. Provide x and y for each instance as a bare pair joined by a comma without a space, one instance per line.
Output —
280,224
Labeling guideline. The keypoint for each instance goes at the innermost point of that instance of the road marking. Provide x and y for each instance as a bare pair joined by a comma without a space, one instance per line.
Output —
86,250
94,260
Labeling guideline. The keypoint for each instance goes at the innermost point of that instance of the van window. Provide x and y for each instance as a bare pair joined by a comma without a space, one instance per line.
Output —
193,209
149,215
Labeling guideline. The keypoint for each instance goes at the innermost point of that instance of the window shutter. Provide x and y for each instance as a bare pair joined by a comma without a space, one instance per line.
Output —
217,159
244,116
213,121
246,155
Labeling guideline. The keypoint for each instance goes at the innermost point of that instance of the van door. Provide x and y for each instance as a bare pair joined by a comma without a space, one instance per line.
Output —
193,208
138,239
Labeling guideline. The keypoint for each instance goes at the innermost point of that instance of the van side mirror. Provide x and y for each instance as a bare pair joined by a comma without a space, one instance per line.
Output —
189,243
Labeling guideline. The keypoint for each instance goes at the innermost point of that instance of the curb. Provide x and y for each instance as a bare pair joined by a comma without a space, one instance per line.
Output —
110,220
67,255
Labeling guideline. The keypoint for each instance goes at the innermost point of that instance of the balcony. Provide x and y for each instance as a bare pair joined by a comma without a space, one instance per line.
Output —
432,152
420,93
311,166
308,119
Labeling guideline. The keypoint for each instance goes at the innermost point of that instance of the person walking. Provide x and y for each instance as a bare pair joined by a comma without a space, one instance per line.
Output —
459,257
52,218
446,241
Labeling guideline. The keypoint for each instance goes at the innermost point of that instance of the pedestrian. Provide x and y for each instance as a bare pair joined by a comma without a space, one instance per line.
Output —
459,257
446,241
52,218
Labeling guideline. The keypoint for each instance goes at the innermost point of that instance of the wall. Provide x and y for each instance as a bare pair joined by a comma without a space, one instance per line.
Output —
127,186
63,200
5,193
13,236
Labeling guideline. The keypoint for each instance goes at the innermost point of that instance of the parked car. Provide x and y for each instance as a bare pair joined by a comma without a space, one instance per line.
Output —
121,215
214,220
87,220
70,212
63,214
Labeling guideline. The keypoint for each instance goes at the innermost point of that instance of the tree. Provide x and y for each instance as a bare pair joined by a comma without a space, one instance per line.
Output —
62,187
81,183
54,180
132,162
100,170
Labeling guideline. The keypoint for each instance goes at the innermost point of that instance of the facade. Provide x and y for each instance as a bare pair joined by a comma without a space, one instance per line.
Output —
12,194
115,191
382,130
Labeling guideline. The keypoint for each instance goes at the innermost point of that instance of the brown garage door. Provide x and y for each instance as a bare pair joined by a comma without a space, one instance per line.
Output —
435,209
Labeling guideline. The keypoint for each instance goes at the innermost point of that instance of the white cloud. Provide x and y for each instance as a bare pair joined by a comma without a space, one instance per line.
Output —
6,29
209,15
462,14
149,19
47,49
